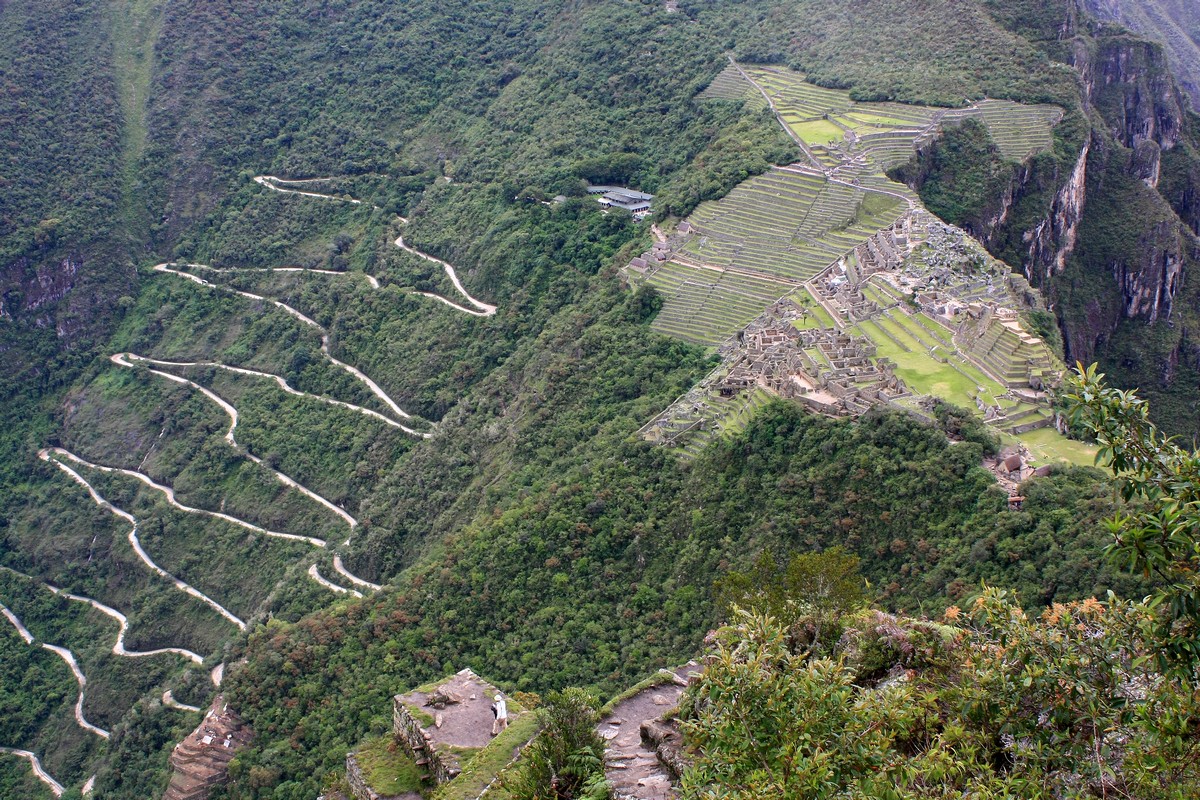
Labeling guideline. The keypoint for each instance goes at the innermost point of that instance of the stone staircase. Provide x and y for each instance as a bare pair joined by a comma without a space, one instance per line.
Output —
632,763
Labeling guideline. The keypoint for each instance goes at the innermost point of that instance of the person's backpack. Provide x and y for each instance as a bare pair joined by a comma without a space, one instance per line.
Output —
495,711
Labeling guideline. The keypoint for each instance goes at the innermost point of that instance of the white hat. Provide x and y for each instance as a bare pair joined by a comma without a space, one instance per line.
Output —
498,698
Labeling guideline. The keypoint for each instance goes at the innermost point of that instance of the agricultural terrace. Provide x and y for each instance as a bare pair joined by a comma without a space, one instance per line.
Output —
784,232
837,129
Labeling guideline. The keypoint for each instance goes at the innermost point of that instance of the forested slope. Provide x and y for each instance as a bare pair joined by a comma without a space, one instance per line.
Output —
480,466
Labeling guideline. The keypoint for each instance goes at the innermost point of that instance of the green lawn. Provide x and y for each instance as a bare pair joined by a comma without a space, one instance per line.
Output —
817,317
1050,447
926,375
818,131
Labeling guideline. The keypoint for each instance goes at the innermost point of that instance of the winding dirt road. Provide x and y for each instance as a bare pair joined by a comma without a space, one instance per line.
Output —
481,309
279,381
67,656
169,494
348,575
169,267
38,770
232,413
24,633
315,574
134,542
169,701
119,647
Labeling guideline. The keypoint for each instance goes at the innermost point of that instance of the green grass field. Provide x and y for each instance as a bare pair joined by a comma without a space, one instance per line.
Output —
1050,447
818,131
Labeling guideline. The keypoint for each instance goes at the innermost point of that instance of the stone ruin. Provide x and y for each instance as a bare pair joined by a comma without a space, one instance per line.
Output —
201,761
434,727
837,290
886,250
773,354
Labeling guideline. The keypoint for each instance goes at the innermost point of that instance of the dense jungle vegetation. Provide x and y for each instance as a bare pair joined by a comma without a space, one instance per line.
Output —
533,538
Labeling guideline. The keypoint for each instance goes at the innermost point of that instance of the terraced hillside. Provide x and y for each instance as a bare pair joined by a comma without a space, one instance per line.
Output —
817,231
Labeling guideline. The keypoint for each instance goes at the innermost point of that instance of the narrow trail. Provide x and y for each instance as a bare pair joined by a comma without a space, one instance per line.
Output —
279,381
169,701
16,621
348,575
232,413
119,647
481,309
277,185
55,787
315,574
357,374
484,309
137,545
69,657
169,494
370,278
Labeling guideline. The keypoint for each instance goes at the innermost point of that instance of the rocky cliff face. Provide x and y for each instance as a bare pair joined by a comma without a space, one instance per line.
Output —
1106,225
1128,81
1173,23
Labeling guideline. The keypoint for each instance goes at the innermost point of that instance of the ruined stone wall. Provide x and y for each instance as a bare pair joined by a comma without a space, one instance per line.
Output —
443,767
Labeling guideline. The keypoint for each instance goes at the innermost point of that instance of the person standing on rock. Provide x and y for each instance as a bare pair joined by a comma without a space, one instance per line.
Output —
500,711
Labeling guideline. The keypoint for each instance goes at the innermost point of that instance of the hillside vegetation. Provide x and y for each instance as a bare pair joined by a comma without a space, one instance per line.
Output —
340,394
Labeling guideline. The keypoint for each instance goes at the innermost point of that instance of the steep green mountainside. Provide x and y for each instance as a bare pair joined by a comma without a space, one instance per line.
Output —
1174,23
314,324
1106,224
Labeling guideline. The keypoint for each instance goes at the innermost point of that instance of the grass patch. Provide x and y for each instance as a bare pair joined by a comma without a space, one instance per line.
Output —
490,761
924,374
387,768
1051,447
818,131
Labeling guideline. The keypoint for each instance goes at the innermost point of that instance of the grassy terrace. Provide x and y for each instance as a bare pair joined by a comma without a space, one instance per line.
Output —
1020,131
730,85
887,131
908,341
788,224
727,417
707,306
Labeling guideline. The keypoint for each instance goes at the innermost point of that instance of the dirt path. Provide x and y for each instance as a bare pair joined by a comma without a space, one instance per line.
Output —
345,573
16,621
358,375
42,775
169,494
485,309
169,701
69,657
481,309
134,542
277,184
279,381
232,413
119,647
370,278
315,574
633,769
